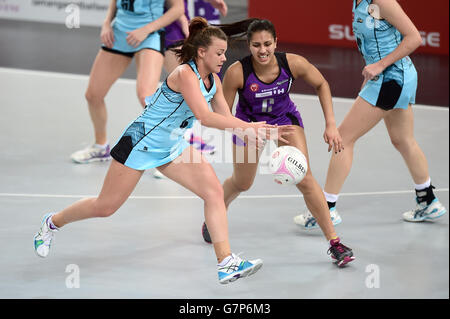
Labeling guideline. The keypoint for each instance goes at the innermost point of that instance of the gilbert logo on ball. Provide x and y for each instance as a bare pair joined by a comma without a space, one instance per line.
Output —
288,165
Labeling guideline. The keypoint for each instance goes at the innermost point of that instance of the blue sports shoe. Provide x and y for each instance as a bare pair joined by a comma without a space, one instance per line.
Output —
237,268
424,212
307,220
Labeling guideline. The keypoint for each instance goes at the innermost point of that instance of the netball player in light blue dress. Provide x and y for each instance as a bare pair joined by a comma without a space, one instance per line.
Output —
131,29
155,139
385,36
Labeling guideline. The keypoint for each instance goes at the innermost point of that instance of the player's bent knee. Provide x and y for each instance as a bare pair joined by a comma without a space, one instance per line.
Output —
241,186
93,98
307,183
213,193
102,209
403,144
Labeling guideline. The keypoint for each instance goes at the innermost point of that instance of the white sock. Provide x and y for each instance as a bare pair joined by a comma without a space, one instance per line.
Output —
332,198
102,146
50,223
424,185
225,261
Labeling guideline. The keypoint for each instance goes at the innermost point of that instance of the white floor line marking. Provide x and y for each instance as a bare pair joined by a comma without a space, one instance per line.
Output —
132,82
196,197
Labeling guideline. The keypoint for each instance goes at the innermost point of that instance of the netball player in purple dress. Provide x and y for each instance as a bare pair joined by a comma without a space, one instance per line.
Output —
263,81
174,33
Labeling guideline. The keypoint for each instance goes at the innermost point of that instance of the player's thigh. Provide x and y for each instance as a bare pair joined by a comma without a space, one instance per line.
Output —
245,164
107,68
149,65
119,183
297,139
400,124
361,118
192,171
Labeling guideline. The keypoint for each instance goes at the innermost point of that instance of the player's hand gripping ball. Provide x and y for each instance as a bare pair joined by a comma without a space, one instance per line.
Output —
288,165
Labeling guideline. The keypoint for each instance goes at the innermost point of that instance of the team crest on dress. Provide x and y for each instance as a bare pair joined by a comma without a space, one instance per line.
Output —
254,87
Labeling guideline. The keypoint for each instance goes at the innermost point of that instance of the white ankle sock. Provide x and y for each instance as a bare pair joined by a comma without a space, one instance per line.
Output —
102,146
424,185
332,198
225,261
50,223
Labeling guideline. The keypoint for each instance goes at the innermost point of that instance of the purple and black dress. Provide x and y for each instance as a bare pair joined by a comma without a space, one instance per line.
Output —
270,102
173,31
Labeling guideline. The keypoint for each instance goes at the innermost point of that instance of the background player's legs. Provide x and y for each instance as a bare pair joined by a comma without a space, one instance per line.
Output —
400,125
107,68
361,118
148,67
170,61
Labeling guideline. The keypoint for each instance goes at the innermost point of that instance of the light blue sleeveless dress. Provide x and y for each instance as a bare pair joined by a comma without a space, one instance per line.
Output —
132,15
396,87
157,136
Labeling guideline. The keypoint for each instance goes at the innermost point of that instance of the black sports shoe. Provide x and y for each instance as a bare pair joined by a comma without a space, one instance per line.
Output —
205,234
340,253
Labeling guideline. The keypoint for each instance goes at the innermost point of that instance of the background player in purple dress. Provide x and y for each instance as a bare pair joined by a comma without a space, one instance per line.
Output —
175,32
179,29
263,81
211,10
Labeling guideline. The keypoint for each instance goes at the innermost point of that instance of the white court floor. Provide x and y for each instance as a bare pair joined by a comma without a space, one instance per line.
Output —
152,247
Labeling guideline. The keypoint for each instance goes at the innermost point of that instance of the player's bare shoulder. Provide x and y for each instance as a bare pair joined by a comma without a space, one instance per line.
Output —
234,74
181,75
297,63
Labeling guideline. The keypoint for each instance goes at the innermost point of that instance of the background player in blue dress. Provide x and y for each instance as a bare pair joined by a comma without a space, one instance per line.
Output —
385,36
263,81
155,139
131,29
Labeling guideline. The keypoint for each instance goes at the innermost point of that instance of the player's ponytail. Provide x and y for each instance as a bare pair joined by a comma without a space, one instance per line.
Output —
197,24
201,34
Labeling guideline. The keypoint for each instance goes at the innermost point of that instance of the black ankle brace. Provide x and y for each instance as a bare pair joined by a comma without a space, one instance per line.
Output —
425,195
331,204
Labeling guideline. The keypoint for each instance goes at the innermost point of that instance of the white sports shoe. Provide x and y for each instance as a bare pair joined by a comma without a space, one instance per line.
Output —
91,154
424,212
307,220
43,238
237,268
